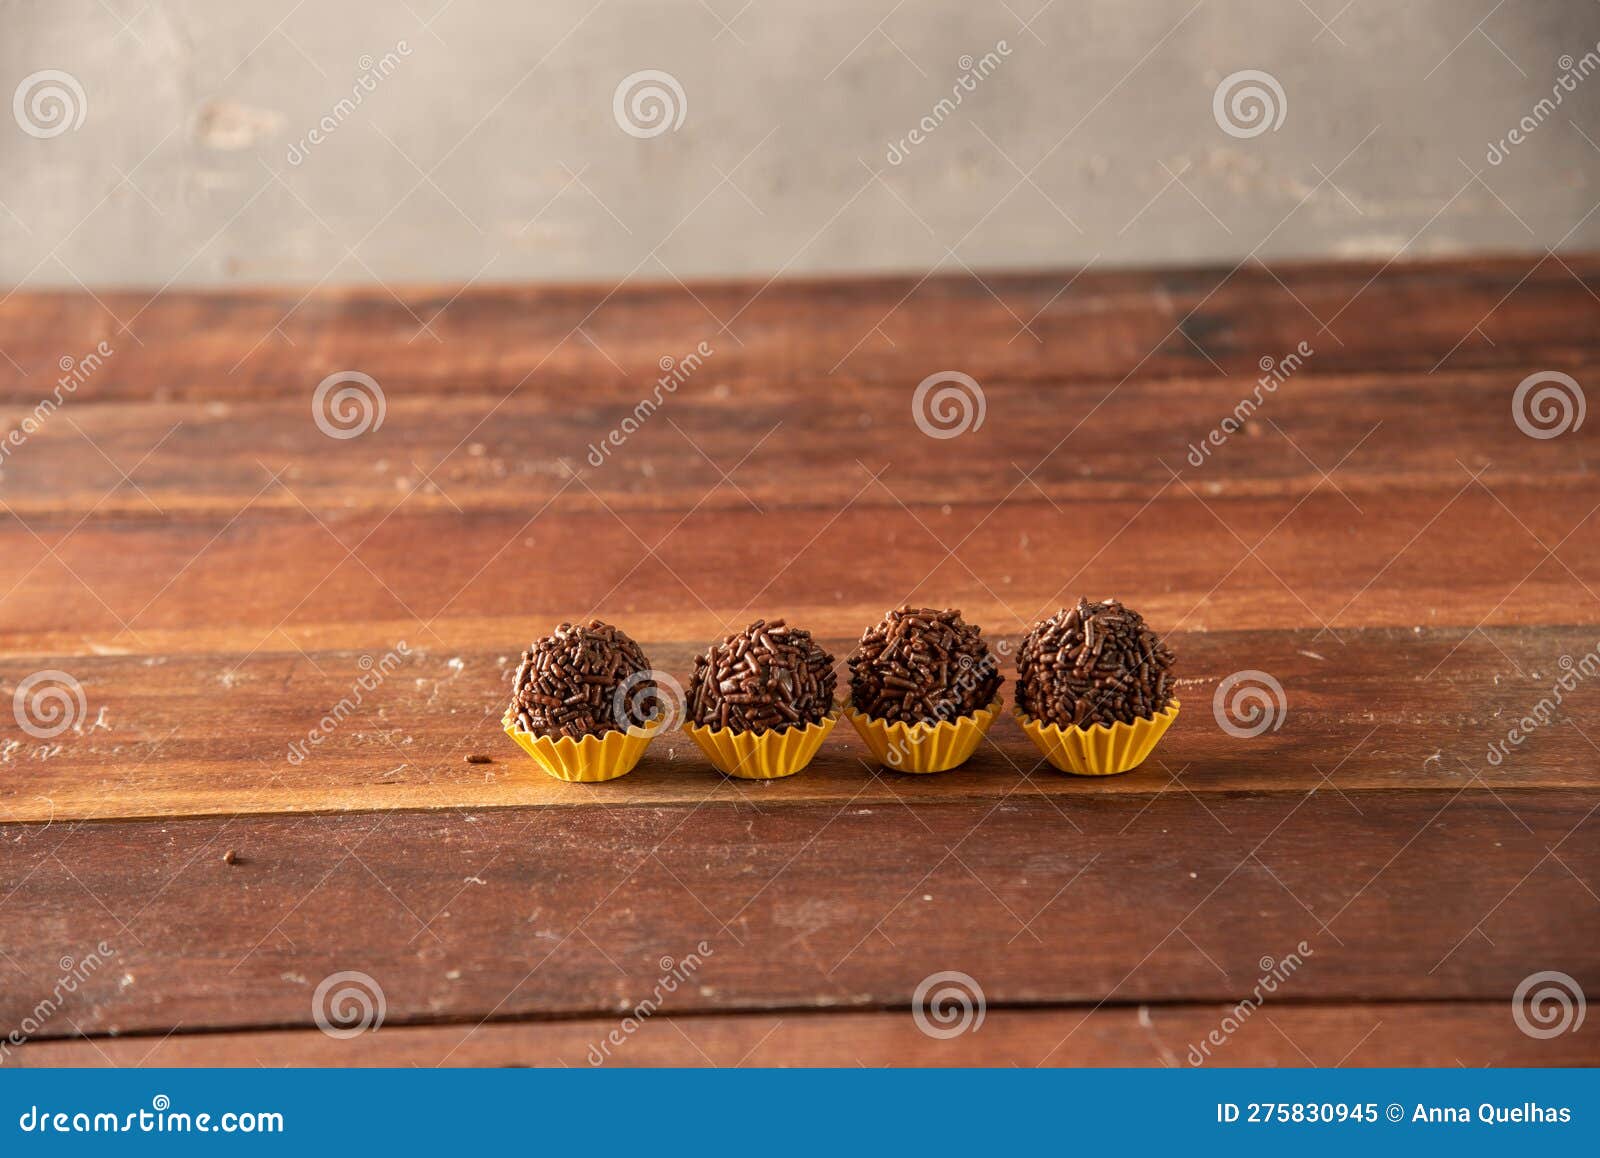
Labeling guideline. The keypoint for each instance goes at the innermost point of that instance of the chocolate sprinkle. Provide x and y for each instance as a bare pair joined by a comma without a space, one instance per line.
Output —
765,678
567,683
920,665
1096,663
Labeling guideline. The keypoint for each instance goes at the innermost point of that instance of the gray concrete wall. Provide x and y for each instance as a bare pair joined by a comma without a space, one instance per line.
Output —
490,148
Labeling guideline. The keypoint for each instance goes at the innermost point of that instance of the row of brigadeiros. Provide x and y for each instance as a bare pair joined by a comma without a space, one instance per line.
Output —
1094,693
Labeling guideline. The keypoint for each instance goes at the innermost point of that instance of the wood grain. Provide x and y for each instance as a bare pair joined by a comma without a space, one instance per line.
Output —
1452,556
1379,536
1355,1035
1065,439
1513,312
460,916
1374,709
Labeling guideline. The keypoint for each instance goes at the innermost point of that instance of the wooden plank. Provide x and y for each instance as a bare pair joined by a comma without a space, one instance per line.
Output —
1353,1035
1513,312
211,735
1456,555
1382,895
214,615
1078,441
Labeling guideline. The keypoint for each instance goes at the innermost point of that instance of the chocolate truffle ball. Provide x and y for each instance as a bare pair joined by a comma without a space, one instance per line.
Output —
575,681
921,665
767,677
1096,663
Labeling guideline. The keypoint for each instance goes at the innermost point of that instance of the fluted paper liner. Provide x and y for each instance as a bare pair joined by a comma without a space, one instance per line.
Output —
924,748
591,759
761,755
1100,750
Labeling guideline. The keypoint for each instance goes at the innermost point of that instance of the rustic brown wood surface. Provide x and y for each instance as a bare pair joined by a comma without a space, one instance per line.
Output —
1395,1034
511,913
216,575
161,749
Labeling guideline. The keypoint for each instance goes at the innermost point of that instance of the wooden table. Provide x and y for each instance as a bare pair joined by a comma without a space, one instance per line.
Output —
217,574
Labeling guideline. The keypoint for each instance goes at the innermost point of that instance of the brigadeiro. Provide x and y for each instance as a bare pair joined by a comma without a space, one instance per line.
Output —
924,689
922,666
1096,663
579,681
767,677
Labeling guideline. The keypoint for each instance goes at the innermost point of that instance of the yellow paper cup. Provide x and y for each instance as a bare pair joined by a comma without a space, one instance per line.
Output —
1099,750
761,755
924,748
591,759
